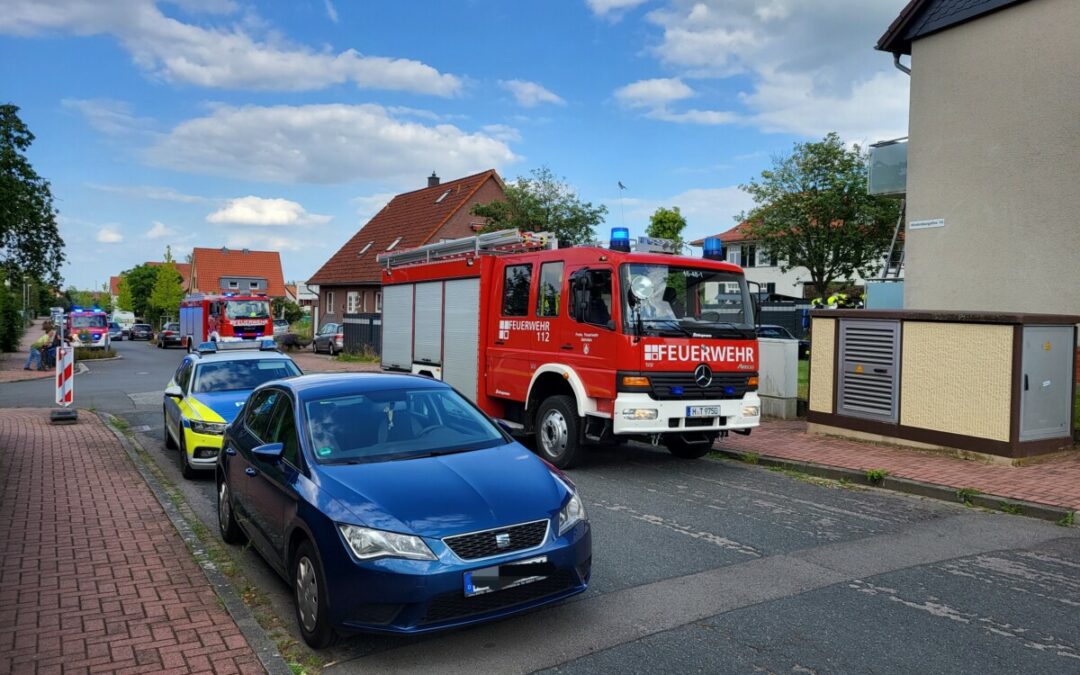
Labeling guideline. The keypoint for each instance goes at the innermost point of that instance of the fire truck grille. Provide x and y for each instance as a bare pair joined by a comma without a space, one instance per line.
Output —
723,385
484,544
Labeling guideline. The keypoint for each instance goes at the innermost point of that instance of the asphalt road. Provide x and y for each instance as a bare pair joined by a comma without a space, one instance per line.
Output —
711,566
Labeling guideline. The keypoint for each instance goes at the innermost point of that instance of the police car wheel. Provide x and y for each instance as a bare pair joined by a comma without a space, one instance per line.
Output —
170,444
185,466
558,438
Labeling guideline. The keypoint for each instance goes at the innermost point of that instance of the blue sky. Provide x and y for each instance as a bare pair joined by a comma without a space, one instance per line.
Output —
287,125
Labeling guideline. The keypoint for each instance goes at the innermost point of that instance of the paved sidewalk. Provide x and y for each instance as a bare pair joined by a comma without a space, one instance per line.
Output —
310,362
11,364
1053,481
93,576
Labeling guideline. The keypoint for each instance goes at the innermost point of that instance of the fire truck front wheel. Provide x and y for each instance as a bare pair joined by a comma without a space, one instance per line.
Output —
690,446
558,428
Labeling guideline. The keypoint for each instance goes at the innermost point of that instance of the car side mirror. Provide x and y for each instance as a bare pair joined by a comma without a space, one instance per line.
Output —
269,452
174,391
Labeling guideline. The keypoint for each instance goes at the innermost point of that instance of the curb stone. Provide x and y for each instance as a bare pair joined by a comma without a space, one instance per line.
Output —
909,486
265,649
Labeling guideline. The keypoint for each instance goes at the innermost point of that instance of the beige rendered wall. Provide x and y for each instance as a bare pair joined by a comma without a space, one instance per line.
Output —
956,378
995,150
822,364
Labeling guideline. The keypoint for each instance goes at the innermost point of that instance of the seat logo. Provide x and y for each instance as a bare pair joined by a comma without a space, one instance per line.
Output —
703,375
502,540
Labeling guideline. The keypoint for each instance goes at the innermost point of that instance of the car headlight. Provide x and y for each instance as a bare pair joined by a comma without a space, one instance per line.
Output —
572,513
212,428
367,544
750,411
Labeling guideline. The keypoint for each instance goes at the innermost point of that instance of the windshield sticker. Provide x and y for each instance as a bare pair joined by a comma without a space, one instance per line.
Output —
325,452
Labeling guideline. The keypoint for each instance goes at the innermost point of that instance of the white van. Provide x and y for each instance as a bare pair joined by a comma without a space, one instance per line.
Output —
125,319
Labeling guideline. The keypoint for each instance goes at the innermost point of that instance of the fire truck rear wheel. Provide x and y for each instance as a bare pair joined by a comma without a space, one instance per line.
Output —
680,447
558,428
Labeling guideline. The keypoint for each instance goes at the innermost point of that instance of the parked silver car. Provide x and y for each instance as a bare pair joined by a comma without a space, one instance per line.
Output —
331,339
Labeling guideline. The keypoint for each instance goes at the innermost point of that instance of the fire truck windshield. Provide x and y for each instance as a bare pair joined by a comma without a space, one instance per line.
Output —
685,301
247,309
89,321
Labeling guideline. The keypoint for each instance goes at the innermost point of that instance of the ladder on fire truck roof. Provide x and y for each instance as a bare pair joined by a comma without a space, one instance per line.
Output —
491,243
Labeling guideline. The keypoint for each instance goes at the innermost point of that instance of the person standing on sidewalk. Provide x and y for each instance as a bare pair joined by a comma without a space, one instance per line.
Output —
37,350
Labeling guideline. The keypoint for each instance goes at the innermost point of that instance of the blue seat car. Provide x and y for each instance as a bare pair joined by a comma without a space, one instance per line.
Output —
391,504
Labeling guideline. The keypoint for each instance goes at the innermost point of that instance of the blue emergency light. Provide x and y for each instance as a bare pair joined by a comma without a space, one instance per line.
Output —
620,239
676,391
714,249
76,309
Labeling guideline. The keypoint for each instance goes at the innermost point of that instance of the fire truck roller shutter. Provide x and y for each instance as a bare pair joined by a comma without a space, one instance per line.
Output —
585,405
397,326
427,335
461,335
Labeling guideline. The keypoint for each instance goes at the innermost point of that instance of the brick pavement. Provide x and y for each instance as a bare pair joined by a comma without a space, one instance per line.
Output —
1054,481
310,362
93,577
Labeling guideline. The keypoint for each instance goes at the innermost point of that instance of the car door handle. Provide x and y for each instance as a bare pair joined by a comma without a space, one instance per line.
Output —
251,472
567,346
230,450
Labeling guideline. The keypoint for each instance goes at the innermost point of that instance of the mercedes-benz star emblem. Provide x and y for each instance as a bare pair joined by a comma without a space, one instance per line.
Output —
502,540
703,375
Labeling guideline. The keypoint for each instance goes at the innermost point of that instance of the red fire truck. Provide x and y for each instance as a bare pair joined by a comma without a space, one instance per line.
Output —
88,327
579,345
228,316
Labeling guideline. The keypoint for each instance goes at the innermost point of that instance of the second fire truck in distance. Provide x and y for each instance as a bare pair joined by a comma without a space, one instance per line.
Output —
223,317
579,345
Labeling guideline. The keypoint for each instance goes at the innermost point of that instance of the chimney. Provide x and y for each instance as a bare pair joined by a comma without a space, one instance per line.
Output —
224,249
433,180
245,251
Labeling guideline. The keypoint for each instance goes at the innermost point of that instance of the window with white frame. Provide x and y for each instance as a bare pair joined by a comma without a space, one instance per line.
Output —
749,255
352,302
234,284
733,255
253,284
764,259
329,302
378,302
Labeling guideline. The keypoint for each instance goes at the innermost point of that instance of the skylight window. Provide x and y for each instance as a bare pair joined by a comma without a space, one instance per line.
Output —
364,250
393,244
444,195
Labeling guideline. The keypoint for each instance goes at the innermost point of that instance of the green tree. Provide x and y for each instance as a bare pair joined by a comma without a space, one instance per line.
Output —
286,309
667,224
123,296
30,242
167,293
140,281
543,203
813,211
12,325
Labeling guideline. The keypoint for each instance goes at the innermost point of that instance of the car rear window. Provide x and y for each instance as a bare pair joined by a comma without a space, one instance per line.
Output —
395,425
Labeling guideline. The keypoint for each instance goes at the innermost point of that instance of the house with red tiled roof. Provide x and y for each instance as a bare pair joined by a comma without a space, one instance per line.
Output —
226,270
350,281
114,289
741,248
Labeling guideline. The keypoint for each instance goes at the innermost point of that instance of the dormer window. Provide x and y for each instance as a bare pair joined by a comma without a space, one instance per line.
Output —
393,244
364,250
444,195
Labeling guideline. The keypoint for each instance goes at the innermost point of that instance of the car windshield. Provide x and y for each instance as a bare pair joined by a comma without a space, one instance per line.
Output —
775,332
685,301
141,326
114,326
240,374
88,321
247,309
172,326
396,424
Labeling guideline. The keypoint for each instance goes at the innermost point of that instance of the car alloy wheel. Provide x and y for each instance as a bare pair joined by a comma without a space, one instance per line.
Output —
230,531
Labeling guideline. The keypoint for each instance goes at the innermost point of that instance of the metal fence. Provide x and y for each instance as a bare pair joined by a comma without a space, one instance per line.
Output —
362,332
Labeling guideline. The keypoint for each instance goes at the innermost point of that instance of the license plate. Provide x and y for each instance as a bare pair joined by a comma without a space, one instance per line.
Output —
508,575
703,411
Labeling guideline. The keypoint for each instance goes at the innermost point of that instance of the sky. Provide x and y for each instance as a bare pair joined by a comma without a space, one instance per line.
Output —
287,125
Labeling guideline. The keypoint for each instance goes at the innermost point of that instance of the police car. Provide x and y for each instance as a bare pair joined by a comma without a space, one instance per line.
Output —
207,392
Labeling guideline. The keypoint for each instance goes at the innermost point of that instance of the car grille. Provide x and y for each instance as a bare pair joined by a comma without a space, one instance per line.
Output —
723,385
449,606
477,545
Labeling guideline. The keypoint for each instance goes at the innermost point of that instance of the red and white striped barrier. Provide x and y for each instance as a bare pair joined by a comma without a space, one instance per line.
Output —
65,372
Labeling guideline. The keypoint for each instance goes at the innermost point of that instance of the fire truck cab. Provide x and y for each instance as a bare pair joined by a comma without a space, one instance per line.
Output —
223,317
88,327
578,345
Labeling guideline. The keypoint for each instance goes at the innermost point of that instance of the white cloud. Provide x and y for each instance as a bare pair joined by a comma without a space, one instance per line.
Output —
253,210
810,66
610,7
530,94
331,11
109,234
502,132
164,194
653,93
230,57
159,230
333,143
110,117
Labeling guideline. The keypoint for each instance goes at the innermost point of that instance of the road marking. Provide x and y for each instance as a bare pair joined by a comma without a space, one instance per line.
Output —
583,627
722,542
146,398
